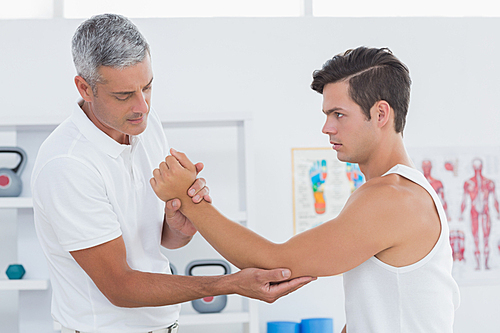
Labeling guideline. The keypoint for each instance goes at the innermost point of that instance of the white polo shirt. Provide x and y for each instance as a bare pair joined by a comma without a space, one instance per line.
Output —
87,190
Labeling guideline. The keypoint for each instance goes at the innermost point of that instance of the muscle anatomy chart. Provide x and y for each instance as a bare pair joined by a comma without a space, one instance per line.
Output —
467,185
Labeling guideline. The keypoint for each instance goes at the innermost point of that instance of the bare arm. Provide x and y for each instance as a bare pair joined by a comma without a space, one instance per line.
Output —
343,243
177,229
106,265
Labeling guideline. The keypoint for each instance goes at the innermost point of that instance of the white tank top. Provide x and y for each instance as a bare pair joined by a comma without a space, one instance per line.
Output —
421,297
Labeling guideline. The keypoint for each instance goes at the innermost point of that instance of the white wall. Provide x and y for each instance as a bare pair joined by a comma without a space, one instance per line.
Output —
264,66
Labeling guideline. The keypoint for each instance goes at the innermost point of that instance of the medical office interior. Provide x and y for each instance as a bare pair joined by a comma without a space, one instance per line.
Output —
231,85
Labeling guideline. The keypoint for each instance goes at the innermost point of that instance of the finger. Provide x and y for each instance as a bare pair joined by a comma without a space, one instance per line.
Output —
157,172
171,161
197,186
152,181
201,194
199,166
285,288
208,198
172,206
183,160
163,168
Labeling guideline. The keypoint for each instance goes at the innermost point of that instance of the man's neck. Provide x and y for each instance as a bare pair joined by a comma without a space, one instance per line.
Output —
86,107
390,153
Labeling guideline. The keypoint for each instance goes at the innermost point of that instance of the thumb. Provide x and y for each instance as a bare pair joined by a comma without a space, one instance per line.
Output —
172,206
278,274
199,166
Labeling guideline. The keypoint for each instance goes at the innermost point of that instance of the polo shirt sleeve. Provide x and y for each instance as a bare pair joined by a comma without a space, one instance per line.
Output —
72,196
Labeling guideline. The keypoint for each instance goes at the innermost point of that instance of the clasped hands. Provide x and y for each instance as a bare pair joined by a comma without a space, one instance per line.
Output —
173,177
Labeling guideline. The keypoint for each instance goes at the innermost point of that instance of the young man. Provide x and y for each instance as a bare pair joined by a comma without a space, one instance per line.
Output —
99,222
391,238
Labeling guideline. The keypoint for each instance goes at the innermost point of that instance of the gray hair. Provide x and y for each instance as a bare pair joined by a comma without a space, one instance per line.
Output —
106,40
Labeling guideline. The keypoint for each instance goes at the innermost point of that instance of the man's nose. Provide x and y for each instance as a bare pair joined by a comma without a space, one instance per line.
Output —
141,104
329,127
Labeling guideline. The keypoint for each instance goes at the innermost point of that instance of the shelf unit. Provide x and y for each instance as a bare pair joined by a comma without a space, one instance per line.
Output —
24,284
248,316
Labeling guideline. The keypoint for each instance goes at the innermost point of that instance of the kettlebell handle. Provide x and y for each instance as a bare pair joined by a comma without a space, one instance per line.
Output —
22,163
214,262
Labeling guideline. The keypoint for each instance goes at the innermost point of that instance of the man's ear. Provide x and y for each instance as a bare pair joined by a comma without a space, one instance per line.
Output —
382,113
84,89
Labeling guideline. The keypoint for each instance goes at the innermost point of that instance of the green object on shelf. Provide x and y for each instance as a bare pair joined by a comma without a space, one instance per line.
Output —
15,272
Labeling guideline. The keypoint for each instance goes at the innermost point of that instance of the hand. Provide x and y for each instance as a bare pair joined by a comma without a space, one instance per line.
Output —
174,218
173,177
198,191
268,285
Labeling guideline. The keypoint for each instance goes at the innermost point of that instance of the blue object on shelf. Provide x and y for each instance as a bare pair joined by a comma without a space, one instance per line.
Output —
15,272
283,327
316,325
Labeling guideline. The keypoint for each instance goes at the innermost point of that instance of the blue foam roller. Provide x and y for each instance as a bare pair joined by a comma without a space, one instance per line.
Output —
316,325
283,327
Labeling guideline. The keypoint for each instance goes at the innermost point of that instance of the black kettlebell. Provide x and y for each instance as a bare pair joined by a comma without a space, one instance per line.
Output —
10,179
210,304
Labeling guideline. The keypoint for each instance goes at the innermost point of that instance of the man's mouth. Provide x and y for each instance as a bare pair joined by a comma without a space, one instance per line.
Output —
137,120
335,145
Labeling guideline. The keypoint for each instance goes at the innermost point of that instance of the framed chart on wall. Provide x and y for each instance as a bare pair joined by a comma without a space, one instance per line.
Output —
466,180
321,185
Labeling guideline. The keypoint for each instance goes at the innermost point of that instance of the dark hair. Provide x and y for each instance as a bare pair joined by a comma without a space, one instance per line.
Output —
373,75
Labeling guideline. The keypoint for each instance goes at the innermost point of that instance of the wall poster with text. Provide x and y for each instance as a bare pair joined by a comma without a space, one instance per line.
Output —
466,181
321,186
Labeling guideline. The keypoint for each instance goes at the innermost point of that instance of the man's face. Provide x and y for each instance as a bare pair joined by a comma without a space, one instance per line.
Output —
121,105
350,133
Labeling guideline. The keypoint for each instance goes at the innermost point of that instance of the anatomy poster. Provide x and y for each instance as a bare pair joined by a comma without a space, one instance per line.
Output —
467,180
321,186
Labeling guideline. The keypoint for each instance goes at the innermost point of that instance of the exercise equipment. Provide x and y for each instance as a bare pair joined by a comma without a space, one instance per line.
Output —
316,325
10,179
210,304
283,327
173,270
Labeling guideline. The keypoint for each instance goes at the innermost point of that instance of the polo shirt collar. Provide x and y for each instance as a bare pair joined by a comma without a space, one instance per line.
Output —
100,139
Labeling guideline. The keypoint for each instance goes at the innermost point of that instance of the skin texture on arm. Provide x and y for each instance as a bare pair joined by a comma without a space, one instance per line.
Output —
177,229
107,266
365,227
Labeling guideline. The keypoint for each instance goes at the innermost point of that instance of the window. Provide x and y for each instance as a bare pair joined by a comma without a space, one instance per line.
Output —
184,8
30,9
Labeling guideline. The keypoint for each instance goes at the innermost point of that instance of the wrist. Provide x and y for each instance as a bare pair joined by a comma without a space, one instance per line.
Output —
226,285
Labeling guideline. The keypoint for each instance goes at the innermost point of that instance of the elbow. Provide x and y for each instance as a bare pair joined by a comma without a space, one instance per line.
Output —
120,293
119,299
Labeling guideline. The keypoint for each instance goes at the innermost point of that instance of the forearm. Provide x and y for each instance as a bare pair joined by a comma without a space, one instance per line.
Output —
141,289
239,245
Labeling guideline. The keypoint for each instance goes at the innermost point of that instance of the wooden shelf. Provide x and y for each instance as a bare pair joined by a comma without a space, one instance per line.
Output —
16,202
24,284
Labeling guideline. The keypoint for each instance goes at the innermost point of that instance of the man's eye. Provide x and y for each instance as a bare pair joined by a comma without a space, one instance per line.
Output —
123,98
339,115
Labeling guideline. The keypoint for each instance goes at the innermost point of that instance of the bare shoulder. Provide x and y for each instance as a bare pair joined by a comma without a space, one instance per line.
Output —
392,191
405,211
